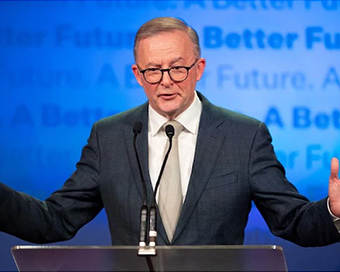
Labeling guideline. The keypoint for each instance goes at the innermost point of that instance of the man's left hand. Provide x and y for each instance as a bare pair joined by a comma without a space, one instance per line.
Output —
334,188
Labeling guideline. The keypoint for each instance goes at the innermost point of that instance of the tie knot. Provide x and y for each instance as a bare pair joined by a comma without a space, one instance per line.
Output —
178,127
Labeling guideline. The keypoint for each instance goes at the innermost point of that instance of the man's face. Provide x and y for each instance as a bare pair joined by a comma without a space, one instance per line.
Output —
167,50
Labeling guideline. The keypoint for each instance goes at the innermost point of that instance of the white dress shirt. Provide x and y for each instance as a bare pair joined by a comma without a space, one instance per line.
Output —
157,138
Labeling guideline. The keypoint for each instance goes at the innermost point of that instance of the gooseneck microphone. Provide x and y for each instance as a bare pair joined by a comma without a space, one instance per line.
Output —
143,250
137,128
170,132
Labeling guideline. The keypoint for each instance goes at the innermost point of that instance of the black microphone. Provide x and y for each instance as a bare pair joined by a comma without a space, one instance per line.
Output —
170,132
137,128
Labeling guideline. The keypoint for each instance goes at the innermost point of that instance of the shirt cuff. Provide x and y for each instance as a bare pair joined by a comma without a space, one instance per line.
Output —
336,219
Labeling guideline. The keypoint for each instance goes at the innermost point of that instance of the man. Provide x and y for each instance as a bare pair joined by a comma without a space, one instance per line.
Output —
226,161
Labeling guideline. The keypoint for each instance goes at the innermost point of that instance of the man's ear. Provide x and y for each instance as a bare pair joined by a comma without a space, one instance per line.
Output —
200,68
137,74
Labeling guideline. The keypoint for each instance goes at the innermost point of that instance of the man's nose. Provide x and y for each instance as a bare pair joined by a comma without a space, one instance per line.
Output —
166,79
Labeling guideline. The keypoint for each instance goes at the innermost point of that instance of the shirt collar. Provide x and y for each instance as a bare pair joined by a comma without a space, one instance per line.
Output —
189,118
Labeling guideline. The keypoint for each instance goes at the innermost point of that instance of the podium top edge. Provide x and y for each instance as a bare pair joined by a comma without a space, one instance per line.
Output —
198,247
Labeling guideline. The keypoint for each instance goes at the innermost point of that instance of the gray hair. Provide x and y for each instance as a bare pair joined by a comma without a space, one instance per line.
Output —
166,24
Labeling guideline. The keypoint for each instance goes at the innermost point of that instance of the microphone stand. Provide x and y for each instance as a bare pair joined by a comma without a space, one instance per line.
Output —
143,249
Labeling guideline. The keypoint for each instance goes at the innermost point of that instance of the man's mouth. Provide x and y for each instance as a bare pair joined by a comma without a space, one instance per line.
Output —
168,96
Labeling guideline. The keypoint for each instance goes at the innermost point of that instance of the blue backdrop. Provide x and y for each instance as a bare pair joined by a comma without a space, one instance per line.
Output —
66,64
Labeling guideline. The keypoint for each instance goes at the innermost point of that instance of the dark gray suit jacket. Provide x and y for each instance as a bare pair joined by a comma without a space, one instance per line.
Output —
234,165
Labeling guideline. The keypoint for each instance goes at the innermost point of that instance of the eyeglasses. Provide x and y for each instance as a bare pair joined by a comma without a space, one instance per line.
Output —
177,73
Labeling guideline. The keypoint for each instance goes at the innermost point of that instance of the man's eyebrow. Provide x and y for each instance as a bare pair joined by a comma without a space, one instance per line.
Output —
175,60
157,65
152,64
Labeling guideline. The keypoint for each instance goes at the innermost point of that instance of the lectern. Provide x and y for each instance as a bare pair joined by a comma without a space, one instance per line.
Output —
168,258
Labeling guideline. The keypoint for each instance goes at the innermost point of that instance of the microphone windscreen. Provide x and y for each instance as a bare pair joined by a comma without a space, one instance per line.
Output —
137,127
170,131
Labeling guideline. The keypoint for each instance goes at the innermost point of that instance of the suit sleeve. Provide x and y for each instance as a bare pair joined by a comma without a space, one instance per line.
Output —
288,214
61,215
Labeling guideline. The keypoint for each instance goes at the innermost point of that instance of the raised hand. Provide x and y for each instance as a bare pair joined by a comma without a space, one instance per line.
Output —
334,188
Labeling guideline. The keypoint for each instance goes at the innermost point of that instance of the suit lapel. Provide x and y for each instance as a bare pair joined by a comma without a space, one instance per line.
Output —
209,142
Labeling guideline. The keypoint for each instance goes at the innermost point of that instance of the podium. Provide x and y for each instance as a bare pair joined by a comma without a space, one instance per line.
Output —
168,258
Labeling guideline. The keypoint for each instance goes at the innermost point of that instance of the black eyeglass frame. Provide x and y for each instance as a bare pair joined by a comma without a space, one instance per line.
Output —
166,70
